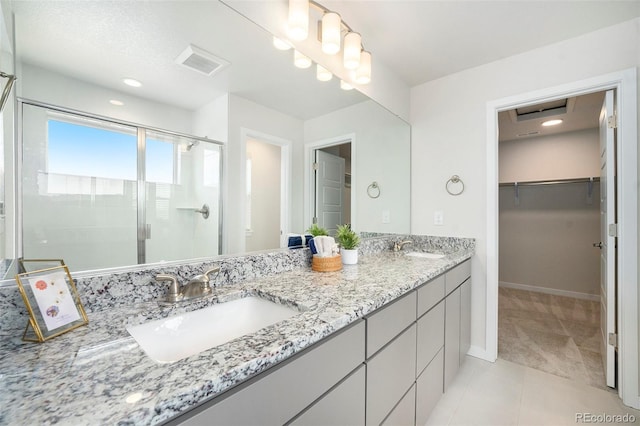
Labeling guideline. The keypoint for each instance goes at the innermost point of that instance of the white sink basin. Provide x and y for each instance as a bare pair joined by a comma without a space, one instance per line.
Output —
425,255
179,336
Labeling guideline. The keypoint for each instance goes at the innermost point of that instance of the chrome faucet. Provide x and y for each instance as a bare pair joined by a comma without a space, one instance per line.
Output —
397,246
198,286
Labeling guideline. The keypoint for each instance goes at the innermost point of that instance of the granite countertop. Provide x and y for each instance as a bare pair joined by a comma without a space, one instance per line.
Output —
97,374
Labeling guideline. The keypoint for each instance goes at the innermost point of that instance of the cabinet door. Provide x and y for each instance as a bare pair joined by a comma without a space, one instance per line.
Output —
429,388
404,414
390,373
451,337
430,293
386,323
465,319
457,275
342,405
430,336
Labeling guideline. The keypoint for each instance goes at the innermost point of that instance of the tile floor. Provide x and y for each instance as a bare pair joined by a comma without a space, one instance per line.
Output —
556,334
506,393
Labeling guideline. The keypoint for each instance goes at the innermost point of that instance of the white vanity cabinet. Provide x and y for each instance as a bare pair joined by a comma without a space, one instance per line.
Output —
278,395
390,368
457,330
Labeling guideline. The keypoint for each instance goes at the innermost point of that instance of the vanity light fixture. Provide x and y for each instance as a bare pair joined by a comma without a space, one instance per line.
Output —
363,73
331,33
116,102
131,82
300,60
352,50
331,27
298,19
322,73
552,122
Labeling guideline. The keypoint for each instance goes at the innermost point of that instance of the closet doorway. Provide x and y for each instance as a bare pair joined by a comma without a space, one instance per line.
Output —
551,305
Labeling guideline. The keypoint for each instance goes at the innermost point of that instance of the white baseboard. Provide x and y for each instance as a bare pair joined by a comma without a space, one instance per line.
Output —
554,291
481,353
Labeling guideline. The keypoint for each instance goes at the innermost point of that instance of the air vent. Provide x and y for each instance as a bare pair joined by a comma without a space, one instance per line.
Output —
201,61
524,135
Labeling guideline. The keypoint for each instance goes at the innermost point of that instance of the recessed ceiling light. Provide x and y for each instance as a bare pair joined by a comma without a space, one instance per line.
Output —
345,86
116,102
131,82
552,123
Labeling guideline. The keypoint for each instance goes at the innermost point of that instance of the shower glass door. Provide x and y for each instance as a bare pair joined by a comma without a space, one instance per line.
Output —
182,197
101,194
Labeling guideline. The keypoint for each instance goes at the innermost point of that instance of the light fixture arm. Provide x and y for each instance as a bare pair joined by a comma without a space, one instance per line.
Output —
323,9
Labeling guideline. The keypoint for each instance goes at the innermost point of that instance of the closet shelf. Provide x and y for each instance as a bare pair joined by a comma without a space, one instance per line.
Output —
551,182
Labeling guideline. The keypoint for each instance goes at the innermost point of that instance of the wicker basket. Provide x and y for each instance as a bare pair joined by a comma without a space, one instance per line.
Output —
326,264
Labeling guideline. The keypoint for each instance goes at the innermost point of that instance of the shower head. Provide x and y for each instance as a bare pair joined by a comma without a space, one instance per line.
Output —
191,144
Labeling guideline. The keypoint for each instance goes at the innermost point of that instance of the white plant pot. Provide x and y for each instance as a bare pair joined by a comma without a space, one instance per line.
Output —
349,257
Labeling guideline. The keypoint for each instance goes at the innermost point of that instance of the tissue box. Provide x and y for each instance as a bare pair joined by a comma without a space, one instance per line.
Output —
326,264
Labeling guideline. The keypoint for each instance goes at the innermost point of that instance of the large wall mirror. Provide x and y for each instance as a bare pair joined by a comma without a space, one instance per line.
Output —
222,123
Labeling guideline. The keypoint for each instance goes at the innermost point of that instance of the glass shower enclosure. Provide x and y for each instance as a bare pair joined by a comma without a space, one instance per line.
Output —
99,193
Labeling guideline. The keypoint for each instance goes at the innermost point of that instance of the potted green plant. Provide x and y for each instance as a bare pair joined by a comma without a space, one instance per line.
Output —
317,230
349,242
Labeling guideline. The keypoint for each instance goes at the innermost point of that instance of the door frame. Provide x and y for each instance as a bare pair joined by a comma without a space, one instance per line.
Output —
625,84
286,165
309,187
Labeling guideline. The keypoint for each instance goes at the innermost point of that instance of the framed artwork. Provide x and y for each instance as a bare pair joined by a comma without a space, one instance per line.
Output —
52,301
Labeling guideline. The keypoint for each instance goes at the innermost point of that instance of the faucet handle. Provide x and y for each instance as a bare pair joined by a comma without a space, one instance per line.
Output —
211,271
174,287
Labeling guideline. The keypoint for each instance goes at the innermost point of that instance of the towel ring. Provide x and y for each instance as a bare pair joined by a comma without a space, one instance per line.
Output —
375,188
455,179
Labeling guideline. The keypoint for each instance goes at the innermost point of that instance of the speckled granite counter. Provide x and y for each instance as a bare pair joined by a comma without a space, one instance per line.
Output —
88,375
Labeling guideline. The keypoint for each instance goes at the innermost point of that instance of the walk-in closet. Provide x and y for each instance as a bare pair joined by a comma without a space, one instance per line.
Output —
550,229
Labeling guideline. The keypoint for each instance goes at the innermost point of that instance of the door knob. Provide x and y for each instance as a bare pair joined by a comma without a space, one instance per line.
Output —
599,245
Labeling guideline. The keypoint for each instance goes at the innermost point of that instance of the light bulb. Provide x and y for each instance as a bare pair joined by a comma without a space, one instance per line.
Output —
363,73
352,49
331,23
280,44
345,86
323,74
301,61
298,19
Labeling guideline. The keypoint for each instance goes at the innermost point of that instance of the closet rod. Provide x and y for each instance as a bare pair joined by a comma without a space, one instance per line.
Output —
551,182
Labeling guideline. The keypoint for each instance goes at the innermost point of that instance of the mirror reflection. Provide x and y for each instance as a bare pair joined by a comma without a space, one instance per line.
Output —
114,175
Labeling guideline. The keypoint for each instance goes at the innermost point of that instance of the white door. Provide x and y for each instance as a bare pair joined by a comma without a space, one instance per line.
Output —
608,240
329,171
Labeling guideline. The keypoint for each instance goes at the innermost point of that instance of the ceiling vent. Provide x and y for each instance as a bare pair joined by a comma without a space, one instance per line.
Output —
201,61
543,110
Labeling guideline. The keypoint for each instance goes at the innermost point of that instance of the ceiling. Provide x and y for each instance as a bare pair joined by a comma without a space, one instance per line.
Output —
580,113
418,40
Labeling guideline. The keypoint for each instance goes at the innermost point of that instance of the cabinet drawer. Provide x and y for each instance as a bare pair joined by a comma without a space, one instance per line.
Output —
404,414
390,373
457,275
430,336
386,323
342,405
279,394
429,388
430,294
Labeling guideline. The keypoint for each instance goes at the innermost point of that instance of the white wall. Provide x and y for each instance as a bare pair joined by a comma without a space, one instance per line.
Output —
382,152
448,119
265,195
546,233
244,114
562,156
